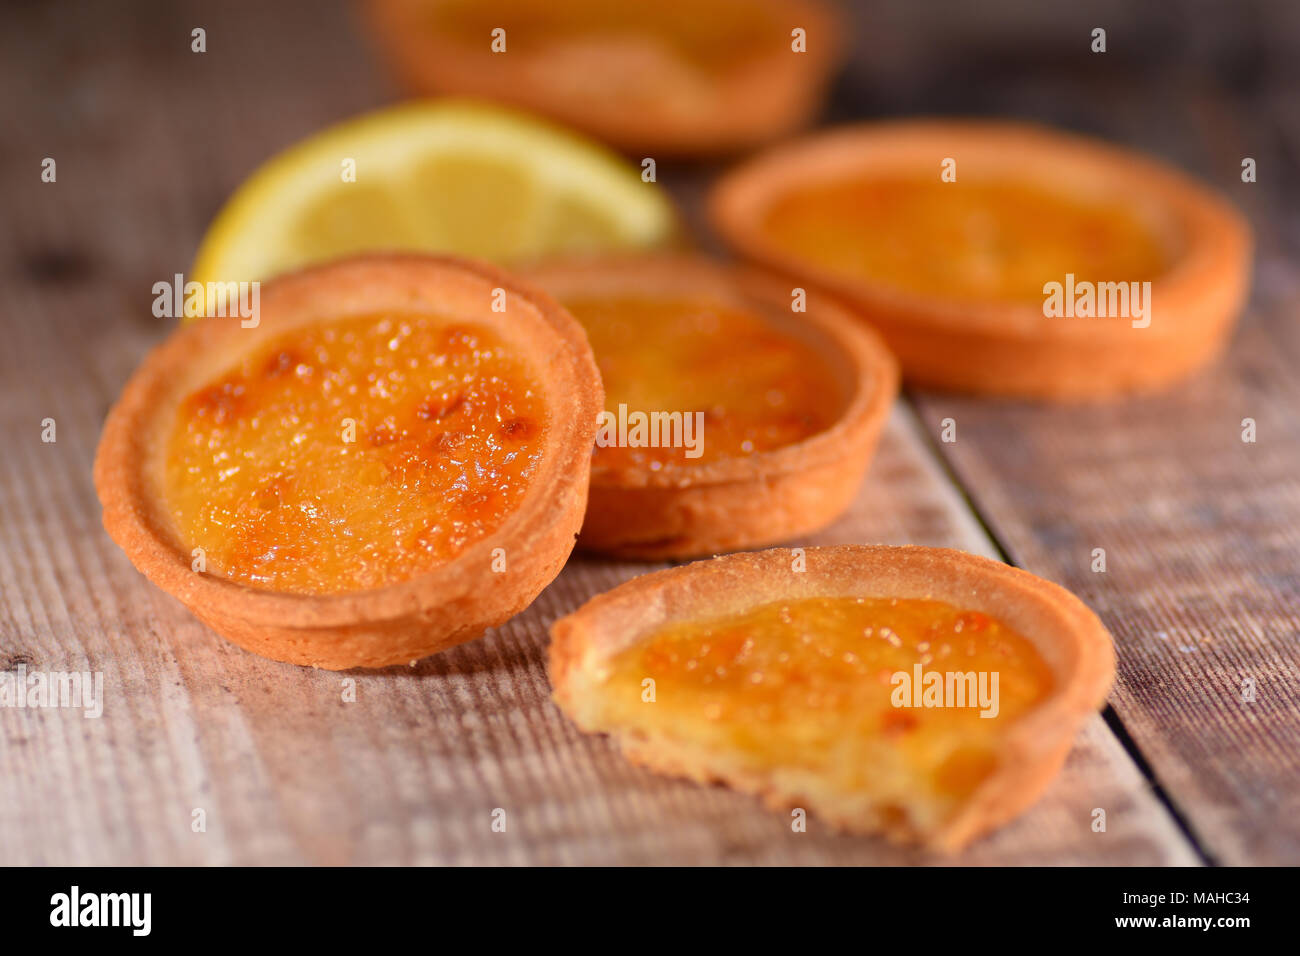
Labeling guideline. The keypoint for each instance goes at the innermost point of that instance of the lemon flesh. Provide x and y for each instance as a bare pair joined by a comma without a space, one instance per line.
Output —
436,176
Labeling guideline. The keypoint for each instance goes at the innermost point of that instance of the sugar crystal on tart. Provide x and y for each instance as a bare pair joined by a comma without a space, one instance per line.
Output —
1001,258
382,467
355,453
676,76
924,694
754,388
983,240
731,420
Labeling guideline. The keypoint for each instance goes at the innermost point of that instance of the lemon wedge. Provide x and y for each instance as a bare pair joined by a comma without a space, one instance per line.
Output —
433,176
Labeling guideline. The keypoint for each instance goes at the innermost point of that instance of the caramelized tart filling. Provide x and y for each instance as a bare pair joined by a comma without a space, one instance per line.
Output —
969,241
710,35
809,689
355,453
755,389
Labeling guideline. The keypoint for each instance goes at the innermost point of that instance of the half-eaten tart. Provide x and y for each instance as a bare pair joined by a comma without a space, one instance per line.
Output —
1001,258
393,457
732,420
679,77
924,694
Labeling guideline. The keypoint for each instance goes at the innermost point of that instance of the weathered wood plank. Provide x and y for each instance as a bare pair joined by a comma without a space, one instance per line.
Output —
1201,529
149,139
1201,534
411,772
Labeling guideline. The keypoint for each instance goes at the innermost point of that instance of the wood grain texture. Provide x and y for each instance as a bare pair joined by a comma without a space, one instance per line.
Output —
411,772
1201,533
150,138
1201,530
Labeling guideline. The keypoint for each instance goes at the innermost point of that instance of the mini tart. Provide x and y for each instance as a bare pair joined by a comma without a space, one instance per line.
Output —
677,77
953,273
793,403
453,500
779,682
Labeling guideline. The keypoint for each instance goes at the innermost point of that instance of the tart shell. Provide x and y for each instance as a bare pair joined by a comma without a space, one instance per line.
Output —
409,619
1006,348
624,89
738,502
1068,636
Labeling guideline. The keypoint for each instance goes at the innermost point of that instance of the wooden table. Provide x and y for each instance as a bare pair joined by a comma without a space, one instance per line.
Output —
1201,530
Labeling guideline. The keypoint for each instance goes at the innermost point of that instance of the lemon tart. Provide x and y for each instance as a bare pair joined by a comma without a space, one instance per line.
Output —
740,411
924,694
1001,258
390,458
672,77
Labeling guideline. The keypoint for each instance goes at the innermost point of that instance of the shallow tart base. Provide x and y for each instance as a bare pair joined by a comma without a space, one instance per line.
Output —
407,615
688,509
678,78
993,344
590,646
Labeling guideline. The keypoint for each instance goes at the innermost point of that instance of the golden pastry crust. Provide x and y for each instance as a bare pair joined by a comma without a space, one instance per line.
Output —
409,619
631,91
1010,348
1067,635
741,501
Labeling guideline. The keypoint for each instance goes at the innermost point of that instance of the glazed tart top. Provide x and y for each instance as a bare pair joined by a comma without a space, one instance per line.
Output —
681,336
387,426
711,35
973,239
800,680
354,453
754,388
967,221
